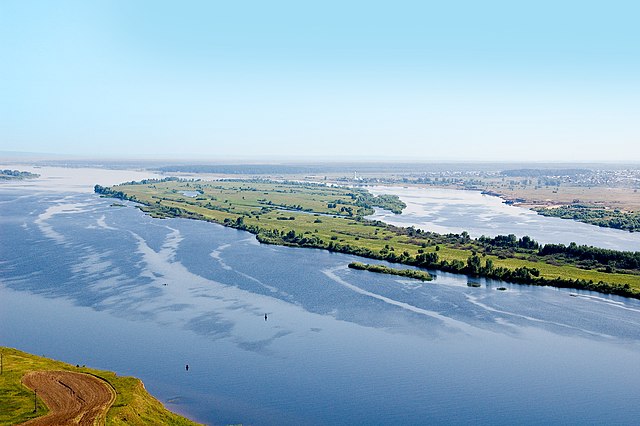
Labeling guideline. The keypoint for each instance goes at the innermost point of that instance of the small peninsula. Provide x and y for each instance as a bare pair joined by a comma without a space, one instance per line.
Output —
128,402
333,218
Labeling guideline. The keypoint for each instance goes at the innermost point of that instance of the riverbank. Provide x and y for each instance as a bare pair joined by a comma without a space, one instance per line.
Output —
254,206
455,211
592,208
132,405
616,208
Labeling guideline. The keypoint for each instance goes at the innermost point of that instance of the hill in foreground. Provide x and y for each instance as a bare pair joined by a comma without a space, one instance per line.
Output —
133,405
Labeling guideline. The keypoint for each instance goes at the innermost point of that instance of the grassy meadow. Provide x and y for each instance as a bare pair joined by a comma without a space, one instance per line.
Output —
331,217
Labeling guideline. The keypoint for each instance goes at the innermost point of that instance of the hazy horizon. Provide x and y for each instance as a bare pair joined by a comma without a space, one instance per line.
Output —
420,81
345,164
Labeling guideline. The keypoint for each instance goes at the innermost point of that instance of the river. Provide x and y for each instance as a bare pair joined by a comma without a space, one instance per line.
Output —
91,283
454,211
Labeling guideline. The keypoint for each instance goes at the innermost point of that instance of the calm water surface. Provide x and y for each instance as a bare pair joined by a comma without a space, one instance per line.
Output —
453,211
109,287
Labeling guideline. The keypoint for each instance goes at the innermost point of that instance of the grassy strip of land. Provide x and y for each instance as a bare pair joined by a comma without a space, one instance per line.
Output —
133,404
594,215
331,218
382,269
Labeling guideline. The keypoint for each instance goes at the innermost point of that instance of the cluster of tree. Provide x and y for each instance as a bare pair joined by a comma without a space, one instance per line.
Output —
598,216
612,258
7,174
522,275
153,181
346,209
367,201
381,269
289,238
474,267
425,238
581,255
510,241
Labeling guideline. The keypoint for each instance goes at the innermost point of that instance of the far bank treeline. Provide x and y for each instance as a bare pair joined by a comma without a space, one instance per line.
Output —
595,215
332,218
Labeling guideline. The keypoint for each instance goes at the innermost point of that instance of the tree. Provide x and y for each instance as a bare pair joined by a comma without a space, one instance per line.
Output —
488,266
474,265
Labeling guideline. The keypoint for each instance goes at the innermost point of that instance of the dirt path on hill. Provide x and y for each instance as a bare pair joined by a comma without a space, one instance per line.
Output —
72,398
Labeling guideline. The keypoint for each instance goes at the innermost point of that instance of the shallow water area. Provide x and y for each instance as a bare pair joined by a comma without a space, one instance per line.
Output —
454,211
109,287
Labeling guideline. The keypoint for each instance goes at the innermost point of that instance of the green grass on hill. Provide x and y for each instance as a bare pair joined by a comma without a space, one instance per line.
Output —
133,404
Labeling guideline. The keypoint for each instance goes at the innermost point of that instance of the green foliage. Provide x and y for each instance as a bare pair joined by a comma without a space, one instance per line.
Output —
381,269
594,255
593,215
7,174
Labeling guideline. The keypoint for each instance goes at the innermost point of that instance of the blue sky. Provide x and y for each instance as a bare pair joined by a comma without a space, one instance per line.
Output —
456,80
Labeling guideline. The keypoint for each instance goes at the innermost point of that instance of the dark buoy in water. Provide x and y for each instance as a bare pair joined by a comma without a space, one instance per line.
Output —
186,367
265,317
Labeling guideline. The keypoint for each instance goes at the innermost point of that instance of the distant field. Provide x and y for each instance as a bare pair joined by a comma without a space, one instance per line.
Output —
620,198
331,217
531,195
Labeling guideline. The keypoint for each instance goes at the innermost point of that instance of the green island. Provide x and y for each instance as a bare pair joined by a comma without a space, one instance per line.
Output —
595,215
133,404
382,269
8,174
333,218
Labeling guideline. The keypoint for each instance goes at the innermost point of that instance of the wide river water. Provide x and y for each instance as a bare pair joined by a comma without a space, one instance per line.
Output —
90,283
453,211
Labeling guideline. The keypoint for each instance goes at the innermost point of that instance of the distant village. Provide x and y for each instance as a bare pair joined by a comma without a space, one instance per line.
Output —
622,178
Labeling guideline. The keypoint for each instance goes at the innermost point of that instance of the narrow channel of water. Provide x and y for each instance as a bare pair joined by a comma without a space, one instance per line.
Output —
454,211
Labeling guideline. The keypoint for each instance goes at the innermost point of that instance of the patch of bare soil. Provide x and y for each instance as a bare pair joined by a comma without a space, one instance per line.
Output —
72,398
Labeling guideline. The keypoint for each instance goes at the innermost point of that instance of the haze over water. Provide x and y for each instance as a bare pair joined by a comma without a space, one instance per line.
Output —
109,287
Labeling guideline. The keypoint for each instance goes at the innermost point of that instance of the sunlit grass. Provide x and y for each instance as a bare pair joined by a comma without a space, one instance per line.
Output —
133,404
